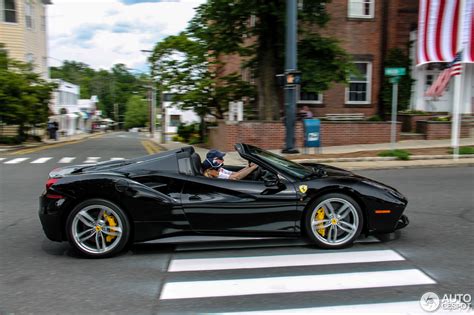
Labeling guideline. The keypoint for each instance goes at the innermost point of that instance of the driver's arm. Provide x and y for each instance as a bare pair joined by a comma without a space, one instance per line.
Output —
243,172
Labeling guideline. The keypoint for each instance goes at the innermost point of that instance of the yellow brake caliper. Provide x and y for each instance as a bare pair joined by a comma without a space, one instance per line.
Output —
320,217
111,221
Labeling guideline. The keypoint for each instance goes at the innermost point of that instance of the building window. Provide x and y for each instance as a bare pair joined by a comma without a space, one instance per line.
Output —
309,97
168,97
30,58
359,89
175,120
9,11
29,14
361,9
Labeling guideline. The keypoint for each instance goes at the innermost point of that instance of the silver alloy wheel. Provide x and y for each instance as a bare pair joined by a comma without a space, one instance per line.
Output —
90,229
340,222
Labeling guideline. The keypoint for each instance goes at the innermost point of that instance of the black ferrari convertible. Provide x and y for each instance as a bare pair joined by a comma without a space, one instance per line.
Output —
102,208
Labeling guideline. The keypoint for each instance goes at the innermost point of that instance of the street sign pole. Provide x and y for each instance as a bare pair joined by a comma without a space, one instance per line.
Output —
393,134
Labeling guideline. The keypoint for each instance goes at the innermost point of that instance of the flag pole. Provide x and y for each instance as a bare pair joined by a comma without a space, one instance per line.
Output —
457,98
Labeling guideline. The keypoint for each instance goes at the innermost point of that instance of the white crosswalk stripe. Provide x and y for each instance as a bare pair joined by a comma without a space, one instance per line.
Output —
340,277
41,160
16,161
63,160
310,283
179,265
66,159
92,159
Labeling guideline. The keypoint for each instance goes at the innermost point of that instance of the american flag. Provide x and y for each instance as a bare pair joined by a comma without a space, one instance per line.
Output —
439,86
440,33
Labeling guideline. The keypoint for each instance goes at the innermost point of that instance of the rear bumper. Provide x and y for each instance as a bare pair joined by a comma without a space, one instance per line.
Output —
50,219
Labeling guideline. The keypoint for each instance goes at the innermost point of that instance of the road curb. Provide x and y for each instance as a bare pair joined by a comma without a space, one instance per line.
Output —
378,159
43,144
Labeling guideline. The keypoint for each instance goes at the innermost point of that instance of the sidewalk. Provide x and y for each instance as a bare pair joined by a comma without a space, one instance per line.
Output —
48,142
233,158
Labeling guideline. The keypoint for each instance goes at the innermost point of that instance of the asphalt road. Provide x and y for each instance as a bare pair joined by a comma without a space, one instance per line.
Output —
434,253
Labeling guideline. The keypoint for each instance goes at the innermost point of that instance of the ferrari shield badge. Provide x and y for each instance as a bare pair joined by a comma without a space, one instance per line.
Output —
303,188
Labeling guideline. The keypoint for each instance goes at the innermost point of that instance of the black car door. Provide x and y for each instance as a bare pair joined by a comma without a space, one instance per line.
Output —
239,206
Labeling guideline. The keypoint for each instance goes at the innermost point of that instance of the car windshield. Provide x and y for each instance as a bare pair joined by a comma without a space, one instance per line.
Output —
294,169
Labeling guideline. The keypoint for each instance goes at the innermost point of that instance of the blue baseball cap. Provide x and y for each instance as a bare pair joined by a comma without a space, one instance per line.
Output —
212,154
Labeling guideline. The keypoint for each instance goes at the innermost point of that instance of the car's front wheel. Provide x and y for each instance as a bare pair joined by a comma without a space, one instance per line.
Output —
98,228
334,220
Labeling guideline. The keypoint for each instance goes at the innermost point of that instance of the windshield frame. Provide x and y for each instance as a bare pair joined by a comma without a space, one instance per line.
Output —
281,164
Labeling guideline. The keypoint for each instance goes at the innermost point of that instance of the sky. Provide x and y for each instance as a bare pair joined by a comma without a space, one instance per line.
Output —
102,33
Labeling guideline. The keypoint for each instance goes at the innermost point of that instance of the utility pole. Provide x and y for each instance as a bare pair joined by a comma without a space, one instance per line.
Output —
290,66
163,118
116,116
153,110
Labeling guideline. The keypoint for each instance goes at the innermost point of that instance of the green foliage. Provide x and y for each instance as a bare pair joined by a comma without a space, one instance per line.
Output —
24,95
136,114
397,58
10,140
464,150
224,28
112,87
333,64
399,154
375,118
189,132
440,118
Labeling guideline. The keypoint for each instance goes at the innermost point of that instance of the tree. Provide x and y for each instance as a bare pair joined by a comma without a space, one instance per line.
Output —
24,95
228,28
112,87
136,114
397,58
184,66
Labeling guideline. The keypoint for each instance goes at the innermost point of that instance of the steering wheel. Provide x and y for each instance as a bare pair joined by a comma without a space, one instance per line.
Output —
257,173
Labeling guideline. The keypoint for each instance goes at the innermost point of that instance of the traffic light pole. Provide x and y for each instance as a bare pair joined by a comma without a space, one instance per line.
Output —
290,66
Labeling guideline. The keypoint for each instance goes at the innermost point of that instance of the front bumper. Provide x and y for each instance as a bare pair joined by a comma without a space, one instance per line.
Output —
402,222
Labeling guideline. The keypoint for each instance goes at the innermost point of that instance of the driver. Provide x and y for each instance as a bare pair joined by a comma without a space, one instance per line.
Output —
213,163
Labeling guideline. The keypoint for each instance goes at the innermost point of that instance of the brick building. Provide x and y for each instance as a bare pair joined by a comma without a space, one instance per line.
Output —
366,29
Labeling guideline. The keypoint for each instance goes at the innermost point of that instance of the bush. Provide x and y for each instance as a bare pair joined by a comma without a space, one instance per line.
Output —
464,150
375,118
188,132
441,118
399,154
10,140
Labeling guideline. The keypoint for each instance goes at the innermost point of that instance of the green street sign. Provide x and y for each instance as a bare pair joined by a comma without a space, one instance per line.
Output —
394,72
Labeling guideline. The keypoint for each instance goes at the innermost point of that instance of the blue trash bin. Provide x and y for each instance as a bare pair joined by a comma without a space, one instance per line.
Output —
312,133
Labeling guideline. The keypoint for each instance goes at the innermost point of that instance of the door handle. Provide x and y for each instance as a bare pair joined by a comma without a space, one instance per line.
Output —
194,197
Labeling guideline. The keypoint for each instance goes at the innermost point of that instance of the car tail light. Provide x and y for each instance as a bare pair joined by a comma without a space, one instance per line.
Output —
50,182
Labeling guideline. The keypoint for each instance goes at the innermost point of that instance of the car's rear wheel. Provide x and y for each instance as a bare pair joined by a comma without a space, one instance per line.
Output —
98,228
334,220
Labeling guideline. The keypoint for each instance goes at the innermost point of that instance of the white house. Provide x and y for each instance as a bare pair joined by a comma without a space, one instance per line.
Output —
424,77
73,115
174,116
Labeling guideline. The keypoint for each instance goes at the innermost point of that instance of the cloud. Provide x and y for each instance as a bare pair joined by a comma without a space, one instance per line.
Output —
103,33
131,2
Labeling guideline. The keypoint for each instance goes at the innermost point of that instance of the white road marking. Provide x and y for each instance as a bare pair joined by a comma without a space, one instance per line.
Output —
311,283
117,158
408,307
92,159
16,161
41,160
67,159
1,159
179,265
